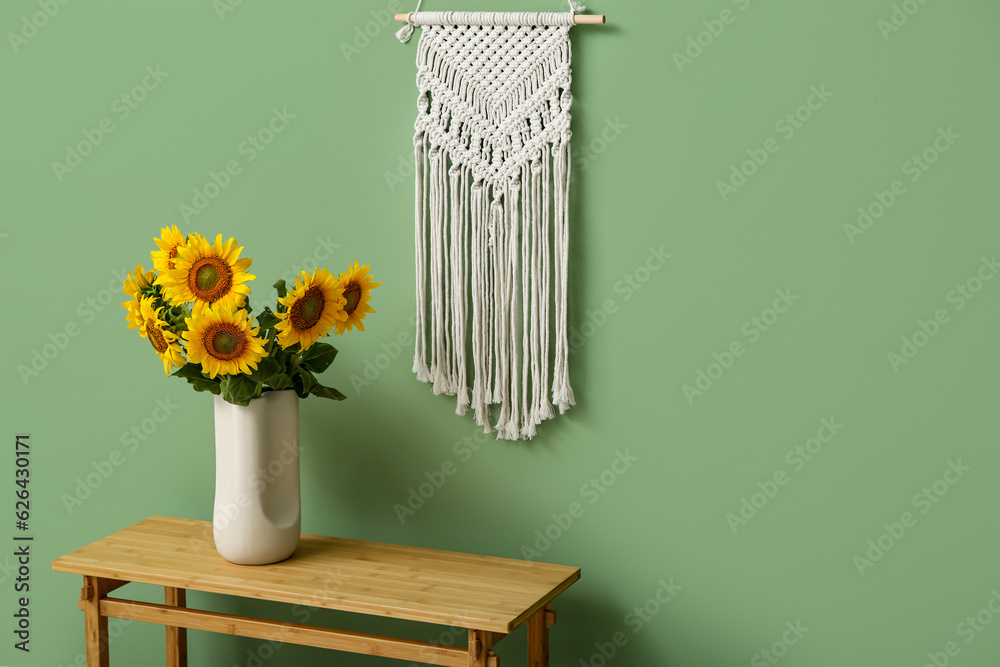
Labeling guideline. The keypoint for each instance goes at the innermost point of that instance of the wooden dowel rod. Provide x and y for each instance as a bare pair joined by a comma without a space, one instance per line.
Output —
579,19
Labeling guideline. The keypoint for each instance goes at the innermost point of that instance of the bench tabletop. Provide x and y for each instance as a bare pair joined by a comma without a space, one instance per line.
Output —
443,587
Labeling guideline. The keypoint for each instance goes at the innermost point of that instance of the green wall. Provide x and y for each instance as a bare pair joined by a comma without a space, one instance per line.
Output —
795,312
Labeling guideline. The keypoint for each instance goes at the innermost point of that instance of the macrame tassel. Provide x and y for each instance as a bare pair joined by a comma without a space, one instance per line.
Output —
478,268
545,410
529,292
489,299
501,316
496,351
459,295
439,344
562,393
513,298
420,198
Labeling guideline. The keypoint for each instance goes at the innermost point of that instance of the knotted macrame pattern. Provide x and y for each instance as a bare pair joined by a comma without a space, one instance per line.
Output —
492,210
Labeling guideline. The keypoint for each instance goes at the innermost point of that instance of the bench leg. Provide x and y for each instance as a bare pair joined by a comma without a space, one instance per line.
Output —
538,638
480,643
176,637
477,648
94,590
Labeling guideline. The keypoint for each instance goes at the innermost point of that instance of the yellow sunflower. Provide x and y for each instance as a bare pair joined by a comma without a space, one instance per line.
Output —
169,242
357,285
163,341
133,283
222,341
207,273
314,306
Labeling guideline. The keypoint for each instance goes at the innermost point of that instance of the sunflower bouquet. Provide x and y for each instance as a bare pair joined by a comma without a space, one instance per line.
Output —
194,309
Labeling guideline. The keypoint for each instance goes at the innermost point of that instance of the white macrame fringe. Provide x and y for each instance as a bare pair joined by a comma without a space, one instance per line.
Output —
492,229
420,198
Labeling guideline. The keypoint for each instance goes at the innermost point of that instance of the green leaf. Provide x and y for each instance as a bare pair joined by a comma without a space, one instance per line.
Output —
282,290
318,357
304,382
189,371
239,389
204,384
280,381
266,367
201,382
267,319
327,392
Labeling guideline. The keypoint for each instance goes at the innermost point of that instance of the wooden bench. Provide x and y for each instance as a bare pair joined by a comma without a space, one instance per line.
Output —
488,596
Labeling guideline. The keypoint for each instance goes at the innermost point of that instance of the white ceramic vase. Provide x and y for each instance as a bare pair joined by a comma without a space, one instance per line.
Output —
257,515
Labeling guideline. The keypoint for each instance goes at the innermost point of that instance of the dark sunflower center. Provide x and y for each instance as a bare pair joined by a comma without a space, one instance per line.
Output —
156,338
353,295
307,310
210,279
207,277
225,341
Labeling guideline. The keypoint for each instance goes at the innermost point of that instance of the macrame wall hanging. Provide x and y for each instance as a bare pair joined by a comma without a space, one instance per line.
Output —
492,151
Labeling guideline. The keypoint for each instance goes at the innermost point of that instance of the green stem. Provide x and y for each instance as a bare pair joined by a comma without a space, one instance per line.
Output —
272,339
